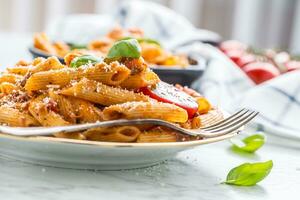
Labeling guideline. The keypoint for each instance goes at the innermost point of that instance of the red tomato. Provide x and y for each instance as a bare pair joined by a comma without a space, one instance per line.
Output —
232,45
245,59
261,71
234,55
167,93
292,65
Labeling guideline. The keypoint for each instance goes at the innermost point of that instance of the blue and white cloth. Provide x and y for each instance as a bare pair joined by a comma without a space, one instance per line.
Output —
224,84
277,100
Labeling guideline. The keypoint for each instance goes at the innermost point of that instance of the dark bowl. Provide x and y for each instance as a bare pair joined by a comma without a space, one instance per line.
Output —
170,74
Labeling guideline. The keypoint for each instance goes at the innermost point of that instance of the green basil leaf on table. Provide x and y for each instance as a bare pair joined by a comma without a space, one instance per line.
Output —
249,144
128,48
249,174
84,60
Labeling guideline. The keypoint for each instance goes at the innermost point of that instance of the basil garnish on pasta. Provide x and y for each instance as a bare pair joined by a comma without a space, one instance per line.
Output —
249,144
128,48
248,174
148,40
84,60
141,40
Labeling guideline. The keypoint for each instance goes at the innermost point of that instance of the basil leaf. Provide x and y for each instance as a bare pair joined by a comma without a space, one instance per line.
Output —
148,40
141,40
249,144
84,60
77,46
129,48
249,174
126,38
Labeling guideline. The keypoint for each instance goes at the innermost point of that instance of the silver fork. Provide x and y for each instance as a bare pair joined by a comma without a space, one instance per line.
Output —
226,126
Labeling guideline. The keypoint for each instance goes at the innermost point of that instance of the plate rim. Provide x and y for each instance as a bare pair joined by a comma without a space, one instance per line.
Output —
120,144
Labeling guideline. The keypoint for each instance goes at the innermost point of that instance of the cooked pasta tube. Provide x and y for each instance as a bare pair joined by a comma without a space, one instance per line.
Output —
102,45
210,118
112,74
150,110
157,136
140,80
136,65
37,61
73,135
99,93
51,63
113,134
193,123
14,117
20,70
7,88
10,78
22,63
42,109
65,106
61,48
70,56
42,42
85,111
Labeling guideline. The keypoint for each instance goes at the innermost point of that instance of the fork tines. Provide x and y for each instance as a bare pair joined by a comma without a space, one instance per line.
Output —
232,123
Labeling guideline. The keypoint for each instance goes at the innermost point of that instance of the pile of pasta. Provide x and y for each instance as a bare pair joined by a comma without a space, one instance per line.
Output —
45,92
152,51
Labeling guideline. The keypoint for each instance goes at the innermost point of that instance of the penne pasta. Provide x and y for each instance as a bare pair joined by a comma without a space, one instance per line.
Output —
13,117
193,123
143,79
19,70
113,134
37,61
157,136
99,93
10,78
42,42
85,111
213,116
51,63
61,48
70,56
65,107
7,88
22,63
42,109
73,135
112,74
154,110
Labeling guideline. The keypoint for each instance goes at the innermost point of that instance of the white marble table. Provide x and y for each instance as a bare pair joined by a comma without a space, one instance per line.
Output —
194,174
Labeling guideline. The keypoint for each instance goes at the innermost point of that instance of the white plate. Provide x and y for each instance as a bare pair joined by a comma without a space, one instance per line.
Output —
79,154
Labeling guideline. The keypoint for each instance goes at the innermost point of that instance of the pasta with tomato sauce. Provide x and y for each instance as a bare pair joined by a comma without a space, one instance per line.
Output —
88,89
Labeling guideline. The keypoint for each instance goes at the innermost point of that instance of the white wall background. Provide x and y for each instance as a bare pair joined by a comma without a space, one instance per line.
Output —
262,23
